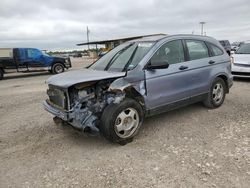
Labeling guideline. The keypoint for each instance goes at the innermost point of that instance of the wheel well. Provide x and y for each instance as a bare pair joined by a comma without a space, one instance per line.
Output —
225,79
134,94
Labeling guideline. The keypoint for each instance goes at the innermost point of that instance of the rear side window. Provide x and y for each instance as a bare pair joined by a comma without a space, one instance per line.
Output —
216,50
33,53
197,49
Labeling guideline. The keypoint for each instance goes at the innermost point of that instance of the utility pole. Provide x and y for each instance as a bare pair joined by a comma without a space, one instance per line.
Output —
202,27
88,37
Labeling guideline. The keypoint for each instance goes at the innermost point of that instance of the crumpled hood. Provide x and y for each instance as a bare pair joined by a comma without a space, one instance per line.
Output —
67,79
242,58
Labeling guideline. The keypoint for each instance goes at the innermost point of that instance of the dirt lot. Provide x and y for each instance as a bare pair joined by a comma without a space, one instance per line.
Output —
188,147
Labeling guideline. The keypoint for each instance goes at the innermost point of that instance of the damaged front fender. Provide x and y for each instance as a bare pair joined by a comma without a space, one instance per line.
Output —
122,85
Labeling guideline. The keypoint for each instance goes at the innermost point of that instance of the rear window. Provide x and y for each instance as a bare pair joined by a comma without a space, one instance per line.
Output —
197,49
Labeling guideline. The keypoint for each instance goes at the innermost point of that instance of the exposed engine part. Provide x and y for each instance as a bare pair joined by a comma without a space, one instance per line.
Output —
88,103
81,118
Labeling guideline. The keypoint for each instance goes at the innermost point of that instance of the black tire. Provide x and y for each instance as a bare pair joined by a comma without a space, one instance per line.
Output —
57,68
1,74
111,115
214,101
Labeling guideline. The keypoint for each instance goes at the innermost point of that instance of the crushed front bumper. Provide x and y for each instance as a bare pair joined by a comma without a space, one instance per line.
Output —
77,119
56,112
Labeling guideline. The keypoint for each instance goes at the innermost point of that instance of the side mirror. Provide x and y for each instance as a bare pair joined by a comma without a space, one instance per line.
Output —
157,65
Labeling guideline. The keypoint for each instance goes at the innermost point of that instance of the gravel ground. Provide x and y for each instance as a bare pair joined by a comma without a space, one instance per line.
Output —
188,147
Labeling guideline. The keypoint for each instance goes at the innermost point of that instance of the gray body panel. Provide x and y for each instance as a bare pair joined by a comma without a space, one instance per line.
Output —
165,86
68,79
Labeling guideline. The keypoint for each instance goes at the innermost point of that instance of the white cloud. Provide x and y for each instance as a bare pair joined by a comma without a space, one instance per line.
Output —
62,23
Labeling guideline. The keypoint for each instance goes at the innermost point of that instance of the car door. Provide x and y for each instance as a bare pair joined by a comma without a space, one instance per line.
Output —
20,56
200,64
35,57
172,84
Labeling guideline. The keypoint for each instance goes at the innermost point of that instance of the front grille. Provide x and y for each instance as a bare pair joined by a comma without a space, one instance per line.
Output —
57,97
241,73
242,65
67,62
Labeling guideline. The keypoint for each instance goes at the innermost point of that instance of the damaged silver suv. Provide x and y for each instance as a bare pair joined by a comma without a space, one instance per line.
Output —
138,79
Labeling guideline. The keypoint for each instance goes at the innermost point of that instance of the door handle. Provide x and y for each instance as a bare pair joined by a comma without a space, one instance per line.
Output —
211,62
183,67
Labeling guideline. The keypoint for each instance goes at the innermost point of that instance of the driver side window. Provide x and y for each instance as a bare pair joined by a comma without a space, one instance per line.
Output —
171,53
33,53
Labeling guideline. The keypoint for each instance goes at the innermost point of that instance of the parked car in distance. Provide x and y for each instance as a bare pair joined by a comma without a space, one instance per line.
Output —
28,58
138,79
76,55
236,45
226,45
241,61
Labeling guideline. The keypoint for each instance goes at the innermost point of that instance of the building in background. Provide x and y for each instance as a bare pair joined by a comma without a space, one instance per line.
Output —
112,43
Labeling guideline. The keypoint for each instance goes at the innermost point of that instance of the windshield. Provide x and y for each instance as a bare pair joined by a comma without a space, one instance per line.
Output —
124,57
244,49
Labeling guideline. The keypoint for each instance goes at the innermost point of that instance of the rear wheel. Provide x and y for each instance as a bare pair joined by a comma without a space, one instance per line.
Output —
57,68
121,122
216,94
1,74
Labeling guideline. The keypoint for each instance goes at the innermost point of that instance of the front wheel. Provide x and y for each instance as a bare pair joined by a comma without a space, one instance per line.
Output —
121,122
57,68
216,94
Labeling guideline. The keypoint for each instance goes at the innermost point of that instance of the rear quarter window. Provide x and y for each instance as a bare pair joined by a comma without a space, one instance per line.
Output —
216,50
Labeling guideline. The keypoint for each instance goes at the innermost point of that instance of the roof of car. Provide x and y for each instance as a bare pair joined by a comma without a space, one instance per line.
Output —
150,38
160,37
124,39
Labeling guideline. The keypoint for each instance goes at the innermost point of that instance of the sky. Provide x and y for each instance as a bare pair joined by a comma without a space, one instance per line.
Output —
61,24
